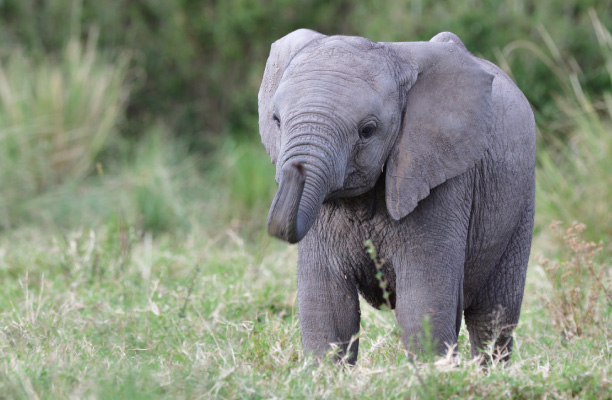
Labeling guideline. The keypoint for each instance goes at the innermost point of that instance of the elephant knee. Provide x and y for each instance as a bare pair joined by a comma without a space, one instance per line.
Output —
429,337
341,349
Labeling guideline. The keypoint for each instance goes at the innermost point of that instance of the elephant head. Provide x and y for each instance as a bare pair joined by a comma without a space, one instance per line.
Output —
336,112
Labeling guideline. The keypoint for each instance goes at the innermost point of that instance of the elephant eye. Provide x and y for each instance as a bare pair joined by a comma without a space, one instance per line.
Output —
276,120
367,131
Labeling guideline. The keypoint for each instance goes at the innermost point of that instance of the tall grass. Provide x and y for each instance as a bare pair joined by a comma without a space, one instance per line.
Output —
574,160
574,186
155,184
246,177
56,115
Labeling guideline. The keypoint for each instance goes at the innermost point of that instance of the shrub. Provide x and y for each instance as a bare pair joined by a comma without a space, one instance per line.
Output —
159,180
55,118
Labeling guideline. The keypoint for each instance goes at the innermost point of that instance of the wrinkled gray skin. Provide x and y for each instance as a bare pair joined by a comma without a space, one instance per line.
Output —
424,149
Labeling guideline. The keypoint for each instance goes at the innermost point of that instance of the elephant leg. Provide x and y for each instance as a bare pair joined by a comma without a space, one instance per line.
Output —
429,267
328,305
421,300
494,313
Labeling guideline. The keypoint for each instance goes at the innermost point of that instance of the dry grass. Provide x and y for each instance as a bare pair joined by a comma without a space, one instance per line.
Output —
581,297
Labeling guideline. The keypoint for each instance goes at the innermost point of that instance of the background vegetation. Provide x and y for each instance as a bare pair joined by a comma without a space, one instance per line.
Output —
133,194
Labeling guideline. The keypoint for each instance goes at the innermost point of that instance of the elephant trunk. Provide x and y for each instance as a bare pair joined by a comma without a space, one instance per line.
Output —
295,206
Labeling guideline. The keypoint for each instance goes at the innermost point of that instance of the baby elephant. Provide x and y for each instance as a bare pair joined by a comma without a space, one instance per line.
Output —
420,147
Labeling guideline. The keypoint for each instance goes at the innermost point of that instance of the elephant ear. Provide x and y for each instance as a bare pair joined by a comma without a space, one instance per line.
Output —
446,120
281,53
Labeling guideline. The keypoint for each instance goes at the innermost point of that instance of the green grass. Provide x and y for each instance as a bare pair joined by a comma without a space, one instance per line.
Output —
118,313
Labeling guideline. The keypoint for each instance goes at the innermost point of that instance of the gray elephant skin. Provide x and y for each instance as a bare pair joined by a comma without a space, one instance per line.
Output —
424,149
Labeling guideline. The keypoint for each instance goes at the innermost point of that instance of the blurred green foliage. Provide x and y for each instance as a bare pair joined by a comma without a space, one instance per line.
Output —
198,64
56,117
177,76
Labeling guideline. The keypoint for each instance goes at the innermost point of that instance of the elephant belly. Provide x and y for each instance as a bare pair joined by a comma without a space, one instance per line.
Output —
370,286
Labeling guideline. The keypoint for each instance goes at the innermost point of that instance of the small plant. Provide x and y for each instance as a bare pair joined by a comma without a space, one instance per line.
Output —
380,277
581,298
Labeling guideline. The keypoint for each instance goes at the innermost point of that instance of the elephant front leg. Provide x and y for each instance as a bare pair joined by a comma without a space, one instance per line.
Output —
429,312
429,268
329,308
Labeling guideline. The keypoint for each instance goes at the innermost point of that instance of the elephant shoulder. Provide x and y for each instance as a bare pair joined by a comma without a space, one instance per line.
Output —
507,97
502,82
512,138
513,133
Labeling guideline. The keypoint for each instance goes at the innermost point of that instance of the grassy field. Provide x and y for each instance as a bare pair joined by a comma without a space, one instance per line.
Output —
142,270
111,311
145,284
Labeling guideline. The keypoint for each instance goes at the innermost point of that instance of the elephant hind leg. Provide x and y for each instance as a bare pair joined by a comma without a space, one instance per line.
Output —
491,334
493,315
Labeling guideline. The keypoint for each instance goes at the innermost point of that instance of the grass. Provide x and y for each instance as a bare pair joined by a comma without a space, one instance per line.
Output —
204,315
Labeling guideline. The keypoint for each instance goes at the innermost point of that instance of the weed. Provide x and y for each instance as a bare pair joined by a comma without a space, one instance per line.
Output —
380,277
426,338
580,301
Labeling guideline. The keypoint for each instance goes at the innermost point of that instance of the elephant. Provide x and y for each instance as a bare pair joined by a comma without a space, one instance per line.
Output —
425,150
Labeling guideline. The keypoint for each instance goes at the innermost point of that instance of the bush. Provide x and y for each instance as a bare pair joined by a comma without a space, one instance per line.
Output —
199,64
158,180
155,185
55,118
